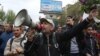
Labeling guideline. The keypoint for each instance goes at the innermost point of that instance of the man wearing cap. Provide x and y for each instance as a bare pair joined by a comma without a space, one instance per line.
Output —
46,45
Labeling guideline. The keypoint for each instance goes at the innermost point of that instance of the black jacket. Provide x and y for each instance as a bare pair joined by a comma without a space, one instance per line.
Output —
91,45
40,46
66,36
30,48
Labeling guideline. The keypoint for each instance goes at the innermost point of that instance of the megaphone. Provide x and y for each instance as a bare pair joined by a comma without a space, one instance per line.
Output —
23,18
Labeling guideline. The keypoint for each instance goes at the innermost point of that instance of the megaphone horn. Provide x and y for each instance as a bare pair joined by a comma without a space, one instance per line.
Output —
23,18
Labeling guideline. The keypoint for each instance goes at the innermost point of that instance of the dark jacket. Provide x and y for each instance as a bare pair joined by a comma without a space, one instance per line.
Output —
91,45
4,38
30,48
67,35
67,27
40,46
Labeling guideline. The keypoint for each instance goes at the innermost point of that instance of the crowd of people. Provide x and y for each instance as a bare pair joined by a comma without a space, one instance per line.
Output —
81,39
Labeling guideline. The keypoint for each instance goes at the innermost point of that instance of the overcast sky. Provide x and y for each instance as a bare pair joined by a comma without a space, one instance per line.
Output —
32,6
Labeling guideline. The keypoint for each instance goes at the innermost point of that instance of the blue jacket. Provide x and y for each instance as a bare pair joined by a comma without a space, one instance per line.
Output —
4,38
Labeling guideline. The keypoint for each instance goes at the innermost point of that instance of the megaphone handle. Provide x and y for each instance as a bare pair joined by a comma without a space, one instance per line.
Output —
30,23
24,37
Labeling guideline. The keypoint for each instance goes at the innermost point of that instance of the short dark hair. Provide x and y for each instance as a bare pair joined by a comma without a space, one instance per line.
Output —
70,16
93,7
90,25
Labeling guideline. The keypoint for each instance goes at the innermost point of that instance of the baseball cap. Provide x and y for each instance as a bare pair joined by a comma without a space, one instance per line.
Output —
48,21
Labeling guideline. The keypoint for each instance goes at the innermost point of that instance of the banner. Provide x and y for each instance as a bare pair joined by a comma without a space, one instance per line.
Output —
51,6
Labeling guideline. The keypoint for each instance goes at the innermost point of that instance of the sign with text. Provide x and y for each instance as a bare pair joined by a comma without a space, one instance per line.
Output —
51,6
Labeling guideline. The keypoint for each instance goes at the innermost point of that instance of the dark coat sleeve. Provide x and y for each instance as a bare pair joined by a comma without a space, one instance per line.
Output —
31,47
67,35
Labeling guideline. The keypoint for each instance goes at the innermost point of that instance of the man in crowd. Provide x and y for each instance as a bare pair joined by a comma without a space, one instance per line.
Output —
46,44
28,50
73,44
5,37
91,48
69,23
13,47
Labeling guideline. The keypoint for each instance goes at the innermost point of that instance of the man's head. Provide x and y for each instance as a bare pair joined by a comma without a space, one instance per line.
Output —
17,31
69,20
7,27
93,11
90,29
48,24
31,33
59,29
